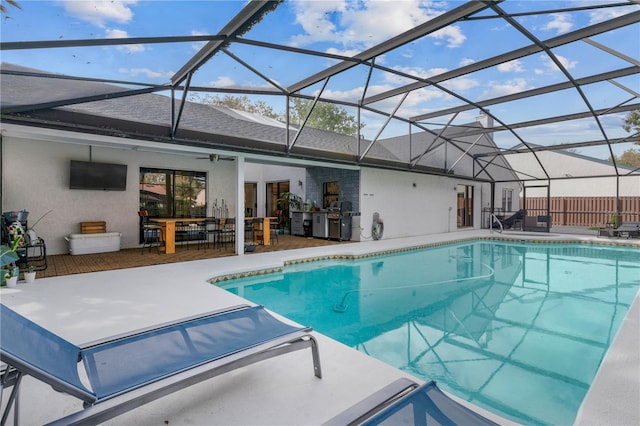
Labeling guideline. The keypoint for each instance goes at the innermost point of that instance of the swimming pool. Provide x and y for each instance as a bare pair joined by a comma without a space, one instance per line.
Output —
517,328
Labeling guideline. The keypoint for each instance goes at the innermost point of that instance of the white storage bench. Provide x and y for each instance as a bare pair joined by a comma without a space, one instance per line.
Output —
93,238
94,243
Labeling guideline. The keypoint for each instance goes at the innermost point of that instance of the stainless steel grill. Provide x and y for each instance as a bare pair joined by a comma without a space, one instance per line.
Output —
339,220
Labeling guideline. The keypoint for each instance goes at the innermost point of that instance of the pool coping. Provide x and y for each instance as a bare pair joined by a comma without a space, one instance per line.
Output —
355,256
600,398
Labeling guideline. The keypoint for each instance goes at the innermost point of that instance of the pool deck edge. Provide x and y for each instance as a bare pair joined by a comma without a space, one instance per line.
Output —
283,390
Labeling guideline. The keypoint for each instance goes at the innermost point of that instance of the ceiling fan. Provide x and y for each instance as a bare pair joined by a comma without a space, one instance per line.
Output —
214,158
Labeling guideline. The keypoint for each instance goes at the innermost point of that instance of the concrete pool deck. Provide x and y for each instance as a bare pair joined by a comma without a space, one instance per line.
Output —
279,391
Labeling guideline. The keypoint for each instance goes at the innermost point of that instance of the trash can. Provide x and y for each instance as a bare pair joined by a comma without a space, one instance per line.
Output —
306,225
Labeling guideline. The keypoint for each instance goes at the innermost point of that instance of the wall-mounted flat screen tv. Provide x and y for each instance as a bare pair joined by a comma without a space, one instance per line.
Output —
102,176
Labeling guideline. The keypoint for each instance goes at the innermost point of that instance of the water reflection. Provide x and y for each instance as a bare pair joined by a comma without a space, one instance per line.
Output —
519,329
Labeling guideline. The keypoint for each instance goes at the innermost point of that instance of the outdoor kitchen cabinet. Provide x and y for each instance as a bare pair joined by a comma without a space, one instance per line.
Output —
320,226
297,222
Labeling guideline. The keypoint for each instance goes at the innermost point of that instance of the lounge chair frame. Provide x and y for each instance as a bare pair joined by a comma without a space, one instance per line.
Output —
379,406
98,409
628,230
625,230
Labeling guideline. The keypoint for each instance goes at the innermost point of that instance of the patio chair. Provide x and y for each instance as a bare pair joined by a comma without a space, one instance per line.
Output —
628,230
404,402
150,233
273,230
228,232
183,230
512,221
125,372
209,232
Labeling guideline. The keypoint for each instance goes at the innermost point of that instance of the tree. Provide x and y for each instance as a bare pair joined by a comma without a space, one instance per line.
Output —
632,122
631,157
240,103
325,116
3,8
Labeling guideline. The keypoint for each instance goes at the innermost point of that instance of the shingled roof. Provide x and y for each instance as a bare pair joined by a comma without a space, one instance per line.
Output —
148,115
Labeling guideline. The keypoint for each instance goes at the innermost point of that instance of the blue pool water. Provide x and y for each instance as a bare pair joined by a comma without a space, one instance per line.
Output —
517,328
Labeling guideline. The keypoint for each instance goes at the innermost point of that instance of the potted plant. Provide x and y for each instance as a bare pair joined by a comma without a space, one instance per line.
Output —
11,277
30,274
289,202
8,258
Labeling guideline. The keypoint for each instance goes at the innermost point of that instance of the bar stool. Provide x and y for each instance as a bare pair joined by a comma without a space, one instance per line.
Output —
249,231
273,230
182,233
228,232
150,232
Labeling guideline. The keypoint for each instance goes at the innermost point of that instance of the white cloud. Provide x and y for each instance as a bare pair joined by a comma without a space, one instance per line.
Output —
458,84
99,12
414,71
366,23
503,88
600,15
416,97
551,66
466,61
461,84
343,52
315,17
560,23
222,81
511,66
196,46
566,62
131,48
146,72
347,95
452,34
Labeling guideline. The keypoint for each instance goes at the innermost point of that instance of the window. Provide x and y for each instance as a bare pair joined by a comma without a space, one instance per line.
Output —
173,193
507,200
330,193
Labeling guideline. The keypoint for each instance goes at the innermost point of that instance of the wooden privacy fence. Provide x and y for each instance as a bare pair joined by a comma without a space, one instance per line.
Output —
585,211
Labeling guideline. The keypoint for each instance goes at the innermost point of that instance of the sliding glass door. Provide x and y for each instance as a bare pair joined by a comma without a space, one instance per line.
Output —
465,206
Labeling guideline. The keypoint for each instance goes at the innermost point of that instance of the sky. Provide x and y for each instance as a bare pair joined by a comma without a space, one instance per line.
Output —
346,28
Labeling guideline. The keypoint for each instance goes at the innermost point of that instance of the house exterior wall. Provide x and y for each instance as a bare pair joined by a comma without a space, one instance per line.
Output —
349,181
35,177
262,174
427,208
564,166
589,187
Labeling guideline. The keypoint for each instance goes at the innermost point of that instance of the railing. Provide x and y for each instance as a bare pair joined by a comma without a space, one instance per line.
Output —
494,217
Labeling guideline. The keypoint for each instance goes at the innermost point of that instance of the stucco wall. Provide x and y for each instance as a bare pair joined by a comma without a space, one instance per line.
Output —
427,208
35,177
567,165
591,187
